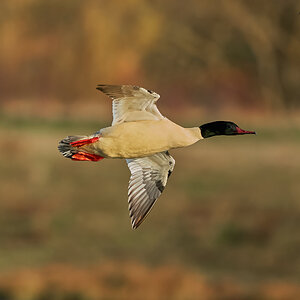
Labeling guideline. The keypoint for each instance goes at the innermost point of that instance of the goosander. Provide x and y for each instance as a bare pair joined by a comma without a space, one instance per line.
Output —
143,136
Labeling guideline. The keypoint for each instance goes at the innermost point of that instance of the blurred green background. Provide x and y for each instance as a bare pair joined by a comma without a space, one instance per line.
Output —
226,226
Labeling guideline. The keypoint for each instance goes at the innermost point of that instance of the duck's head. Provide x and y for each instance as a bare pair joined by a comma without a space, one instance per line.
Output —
222,128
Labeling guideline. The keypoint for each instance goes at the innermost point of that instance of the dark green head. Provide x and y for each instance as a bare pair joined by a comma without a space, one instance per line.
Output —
222,128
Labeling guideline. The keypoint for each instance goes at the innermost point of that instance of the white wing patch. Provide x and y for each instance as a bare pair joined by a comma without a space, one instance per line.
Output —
131,103
148,179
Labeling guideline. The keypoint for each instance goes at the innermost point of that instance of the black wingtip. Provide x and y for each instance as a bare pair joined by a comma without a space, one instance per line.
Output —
134,224
100,87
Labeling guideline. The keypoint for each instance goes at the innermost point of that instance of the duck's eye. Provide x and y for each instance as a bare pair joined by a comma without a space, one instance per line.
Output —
149,91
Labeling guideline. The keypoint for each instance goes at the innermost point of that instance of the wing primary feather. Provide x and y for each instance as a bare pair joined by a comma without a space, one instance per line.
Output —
149,176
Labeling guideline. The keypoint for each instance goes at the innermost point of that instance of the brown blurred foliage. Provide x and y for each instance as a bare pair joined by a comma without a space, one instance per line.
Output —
225,228
227,225
132,281
241,53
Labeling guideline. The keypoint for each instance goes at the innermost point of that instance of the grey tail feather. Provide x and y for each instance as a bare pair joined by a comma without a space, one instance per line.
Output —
65,148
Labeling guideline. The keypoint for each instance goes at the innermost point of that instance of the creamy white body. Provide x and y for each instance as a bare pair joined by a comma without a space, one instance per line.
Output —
142,138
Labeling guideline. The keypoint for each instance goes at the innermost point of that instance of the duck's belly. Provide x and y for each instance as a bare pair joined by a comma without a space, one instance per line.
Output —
142,138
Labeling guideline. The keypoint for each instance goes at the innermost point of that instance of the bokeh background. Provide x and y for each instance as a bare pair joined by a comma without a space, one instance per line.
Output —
227,225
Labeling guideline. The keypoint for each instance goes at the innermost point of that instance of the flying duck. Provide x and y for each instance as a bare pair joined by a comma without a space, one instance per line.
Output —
143,136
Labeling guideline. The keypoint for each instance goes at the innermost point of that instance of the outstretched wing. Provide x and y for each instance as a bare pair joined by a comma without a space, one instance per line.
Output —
148,179
131,103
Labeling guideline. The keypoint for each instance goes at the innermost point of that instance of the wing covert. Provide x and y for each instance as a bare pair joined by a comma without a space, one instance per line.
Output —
131,103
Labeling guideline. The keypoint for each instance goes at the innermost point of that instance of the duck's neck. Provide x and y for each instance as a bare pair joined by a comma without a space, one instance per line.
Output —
195,133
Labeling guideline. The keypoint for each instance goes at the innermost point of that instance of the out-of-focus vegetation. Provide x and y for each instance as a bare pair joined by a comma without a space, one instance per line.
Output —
217,53
226,226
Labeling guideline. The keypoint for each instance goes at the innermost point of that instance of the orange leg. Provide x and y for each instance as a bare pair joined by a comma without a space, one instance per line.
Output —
83,156
84,142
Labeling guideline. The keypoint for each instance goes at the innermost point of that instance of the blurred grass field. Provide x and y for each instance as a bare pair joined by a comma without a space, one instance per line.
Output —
224,228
